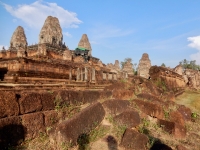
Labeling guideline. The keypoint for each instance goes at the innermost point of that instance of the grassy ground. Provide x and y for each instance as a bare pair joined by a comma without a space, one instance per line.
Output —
190,99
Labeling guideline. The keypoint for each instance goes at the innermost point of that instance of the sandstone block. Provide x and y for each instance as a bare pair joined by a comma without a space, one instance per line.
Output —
186,112
150,108
30,102
176,116
76,97
115,107
122,94
8,104
33,124
90,96
48,100
176,129
134,140
129,118
148,97
81,123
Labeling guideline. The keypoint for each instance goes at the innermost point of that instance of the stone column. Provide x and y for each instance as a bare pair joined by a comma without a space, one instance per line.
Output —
86,74
78,74
81,74
93,74
70,74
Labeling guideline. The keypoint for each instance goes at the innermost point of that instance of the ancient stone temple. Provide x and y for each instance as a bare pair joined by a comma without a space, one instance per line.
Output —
51,61
84,43
144,66
51,32
128,68
18,38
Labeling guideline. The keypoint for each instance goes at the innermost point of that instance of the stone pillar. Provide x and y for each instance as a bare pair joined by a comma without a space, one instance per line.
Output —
86,74
78,74
93,74
70,74
81,74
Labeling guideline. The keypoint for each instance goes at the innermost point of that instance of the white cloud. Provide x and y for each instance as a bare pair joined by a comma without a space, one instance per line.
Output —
67,34
35,14
1,47
195,43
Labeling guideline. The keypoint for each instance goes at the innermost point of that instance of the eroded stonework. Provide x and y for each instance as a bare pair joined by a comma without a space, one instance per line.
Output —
18,38
144,66
51,32
128,67
84,43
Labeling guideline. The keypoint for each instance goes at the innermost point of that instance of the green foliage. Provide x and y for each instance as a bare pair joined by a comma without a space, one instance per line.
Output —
120,130
160,83
97,133
194,115
126,60
189,64
163,65
166,113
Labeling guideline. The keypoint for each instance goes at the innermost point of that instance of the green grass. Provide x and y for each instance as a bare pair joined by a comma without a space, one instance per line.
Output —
190,99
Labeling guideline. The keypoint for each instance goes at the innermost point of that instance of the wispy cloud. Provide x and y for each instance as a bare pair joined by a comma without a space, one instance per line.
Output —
67,34
179,23
195,43
108,31
35,14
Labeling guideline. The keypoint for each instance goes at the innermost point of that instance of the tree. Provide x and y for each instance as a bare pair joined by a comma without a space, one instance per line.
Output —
163,65
189,64
126,60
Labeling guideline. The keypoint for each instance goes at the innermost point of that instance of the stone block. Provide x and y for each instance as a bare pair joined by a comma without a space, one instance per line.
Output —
148,97
76,97
122,94
150,108
79,124
8,104
33,124
176,129
134,140
186,112
91,96
129,118
114,107
48,100
30,102
176,116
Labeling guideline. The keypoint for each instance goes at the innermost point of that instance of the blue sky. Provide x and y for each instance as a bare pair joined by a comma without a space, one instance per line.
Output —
169,31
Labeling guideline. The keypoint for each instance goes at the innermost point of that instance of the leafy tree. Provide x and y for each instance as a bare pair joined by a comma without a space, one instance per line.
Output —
126,60
163,65
189,64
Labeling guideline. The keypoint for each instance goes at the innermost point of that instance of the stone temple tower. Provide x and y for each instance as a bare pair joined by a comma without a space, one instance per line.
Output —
84,43
18,38
18,42
144,66
51,32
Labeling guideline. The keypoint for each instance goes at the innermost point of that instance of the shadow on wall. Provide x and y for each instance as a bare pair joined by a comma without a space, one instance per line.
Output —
112,143
11,135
